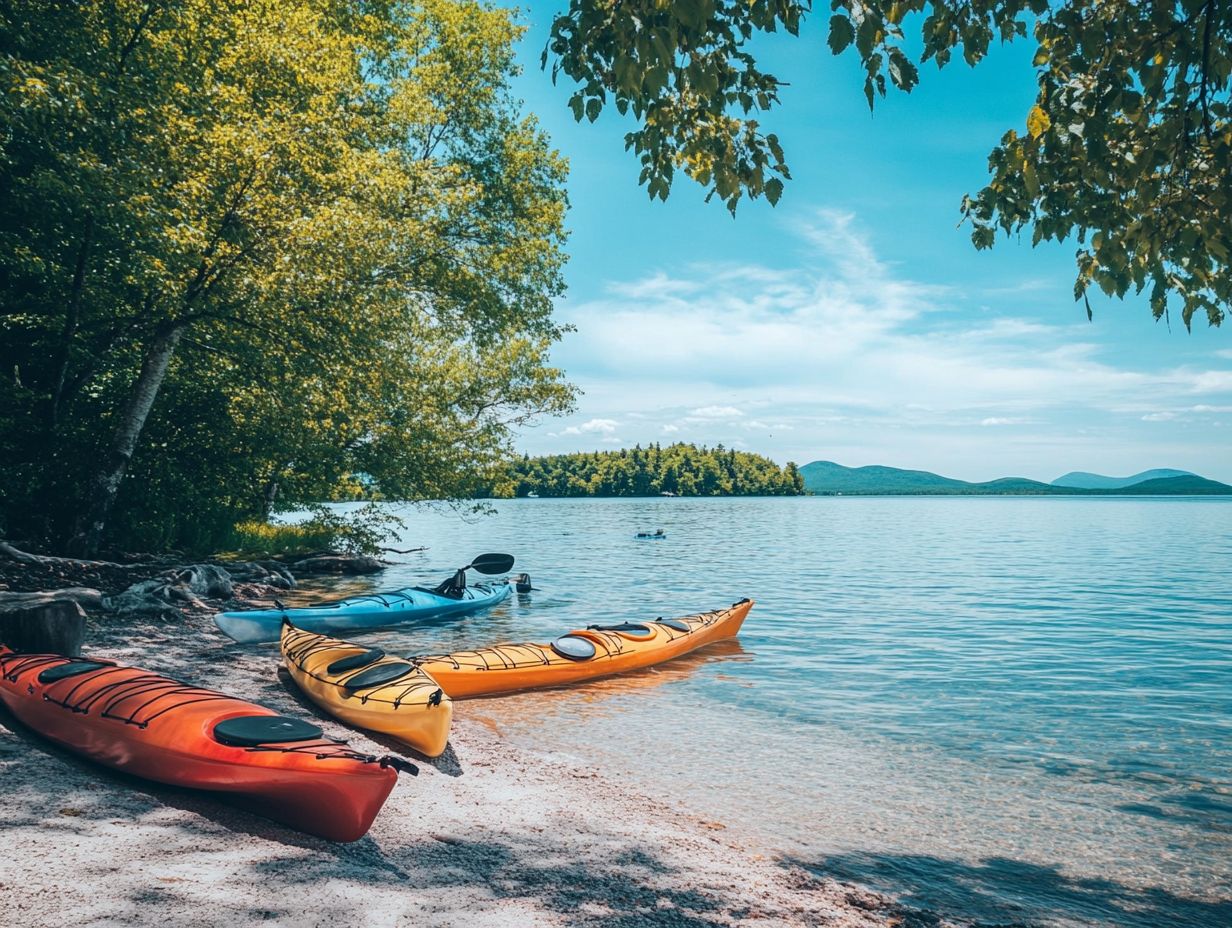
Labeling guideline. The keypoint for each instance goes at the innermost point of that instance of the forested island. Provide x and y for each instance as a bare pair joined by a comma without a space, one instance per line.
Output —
678,469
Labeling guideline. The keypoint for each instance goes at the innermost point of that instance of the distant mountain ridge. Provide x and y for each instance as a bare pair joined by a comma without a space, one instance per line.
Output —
828,478
1085,481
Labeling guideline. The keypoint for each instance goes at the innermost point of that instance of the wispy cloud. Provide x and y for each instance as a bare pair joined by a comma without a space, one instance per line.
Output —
594,426
716,412
843,357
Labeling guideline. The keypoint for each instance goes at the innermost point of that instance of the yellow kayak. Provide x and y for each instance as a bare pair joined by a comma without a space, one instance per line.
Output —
580,655
368,689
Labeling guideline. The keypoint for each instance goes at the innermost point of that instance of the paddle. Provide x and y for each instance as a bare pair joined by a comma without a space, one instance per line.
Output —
485,564
491,563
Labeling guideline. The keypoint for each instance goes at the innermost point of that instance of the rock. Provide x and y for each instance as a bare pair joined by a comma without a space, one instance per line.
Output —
339,564
55,626
85,596
208,580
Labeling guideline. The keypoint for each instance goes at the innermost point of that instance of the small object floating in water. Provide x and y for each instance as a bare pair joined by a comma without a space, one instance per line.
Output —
655,535
583,654
369,689
161,729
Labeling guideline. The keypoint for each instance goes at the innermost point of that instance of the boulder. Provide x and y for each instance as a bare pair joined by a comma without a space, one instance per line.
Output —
53,626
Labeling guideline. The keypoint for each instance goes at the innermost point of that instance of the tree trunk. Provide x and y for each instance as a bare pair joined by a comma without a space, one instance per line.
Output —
268,499
106,483
72,318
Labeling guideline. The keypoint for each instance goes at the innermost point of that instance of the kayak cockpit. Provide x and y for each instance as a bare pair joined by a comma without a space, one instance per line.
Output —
355,661
254,731
379,675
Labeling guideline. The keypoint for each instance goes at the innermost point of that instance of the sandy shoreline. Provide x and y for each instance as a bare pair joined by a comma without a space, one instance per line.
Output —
487,835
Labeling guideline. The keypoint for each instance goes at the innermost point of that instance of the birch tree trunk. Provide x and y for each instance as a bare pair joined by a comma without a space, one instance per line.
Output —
106,483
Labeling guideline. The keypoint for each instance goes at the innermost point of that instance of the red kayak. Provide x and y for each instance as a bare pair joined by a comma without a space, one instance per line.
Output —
173,732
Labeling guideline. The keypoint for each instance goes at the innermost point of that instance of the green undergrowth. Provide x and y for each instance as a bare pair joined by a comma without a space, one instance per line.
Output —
360,532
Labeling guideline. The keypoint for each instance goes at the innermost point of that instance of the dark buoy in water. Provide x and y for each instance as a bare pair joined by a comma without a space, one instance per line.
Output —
521,583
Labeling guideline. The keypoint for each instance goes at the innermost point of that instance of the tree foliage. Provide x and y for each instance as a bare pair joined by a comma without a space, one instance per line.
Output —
679,469
1128,147
252,248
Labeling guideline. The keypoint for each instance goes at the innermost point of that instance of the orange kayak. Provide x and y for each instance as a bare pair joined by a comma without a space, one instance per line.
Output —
580,655
172,732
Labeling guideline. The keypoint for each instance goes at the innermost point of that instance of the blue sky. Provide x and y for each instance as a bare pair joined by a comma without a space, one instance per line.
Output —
854,322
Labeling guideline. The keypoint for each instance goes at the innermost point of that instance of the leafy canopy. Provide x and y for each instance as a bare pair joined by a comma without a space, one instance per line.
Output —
289,248
1128,147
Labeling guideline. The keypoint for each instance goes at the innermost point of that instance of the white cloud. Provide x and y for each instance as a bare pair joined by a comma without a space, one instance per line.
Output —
669,429
1159,417
601,426
717,412
999,420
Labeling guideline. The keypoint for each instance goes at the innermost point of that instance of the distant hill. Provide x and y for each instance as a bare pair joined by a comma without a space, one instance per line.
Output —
828,478
1085,481
1184,485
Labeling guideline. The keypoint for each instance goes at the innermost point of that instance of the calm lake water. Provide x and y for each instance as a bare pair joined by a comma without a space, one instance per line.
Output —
1011,710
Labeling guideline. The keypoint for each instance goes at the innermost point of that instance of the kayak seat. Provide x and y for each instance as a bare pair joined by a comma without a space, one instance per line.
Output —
355,661
379,675
252,731
625,628
574,648
71,669
673,624
457,594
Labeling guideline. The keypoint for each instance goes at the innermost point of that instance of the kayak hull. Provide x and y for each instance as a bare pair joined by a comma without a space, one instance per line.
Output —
162,730
411,708
509,667
359,613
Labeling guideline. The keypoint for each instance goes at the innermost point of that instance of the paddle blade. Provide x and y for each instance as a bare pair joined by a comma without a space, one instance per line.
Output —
491,563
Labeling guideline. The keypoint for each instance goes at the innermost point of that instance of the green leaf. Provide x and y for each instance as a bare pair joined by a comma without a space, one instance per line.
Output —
842,34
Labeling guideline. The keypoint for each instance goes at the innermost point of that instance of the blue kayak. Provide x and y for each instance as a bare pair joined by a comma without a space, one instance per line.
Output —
374,610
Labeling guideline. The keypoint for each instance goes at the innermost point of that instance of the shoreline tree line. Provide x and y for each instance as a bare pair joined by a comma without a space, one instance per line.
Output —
679,469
